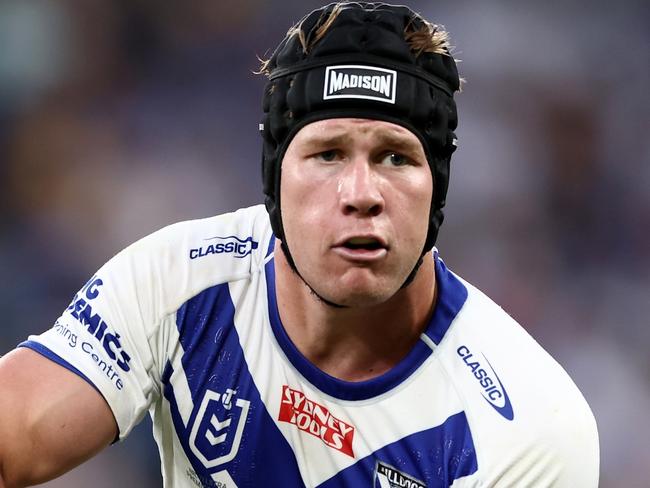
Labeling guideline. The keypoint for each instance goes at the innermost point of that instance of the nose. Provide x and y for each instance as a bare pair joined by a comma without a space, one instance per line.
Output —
359,189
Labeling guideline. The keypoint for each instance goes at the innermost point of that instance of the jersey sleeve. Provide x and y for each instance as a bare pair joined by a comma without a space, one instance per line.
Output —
107,333
117,331
530,423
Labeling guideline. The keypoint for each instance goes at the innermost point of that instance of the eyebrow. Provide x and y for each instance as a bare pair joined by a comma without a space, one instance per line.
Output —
385,139
402,144
318,140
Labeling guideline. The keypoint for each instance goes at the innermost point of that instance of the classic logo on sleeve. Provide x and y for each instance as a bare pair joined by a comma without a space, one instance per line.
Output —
355,81
493,390
239,248
316,419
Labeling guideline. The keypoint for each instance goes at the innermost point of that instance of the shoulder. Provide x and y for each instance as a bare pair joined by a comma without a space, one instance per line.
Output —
485,337
240,234
200,252
521,404
488,331
157,274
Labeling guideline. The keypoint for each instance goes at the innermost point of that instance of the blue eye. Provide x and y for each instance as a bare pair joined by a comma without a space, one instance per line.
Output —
328,155
396,159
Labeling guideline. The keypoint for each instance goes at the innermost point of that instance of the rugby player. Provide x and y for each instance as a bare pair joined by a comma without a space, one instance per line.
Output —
318,340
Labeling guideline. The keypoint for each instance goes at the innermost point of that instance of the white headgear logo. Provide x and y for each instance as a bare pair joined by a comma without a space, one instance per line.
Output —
356,81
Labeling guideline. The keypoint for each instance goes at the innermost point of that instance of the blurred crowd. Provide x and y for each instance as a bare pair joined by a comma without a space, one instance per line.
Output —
118,117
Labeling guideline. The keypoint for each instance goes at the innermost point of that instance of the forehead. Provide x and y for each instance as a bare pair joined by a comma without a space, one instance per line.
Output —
352,128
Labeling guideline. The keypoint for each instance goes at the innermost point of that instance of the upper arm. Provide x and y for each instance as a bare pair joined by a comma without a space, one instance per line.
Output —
51,419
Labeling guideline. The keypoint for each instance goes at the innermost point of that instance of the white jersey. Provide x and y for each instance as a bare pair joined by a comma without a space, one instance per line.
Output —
184,323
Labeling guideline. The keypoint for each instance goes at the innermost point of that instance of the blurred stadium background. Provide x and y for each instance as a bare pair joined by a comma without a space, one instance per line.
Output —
118,117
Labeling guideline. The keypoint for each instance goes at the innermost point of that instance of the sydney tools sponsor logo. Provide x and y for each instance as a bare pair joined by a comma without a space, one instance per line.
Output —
225,245
493,390
316,419
354,81
388,477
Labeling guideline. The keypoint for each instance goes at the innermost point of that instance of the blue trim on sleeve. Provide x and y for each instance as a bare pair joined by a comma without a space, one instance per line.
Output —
48,353
52,356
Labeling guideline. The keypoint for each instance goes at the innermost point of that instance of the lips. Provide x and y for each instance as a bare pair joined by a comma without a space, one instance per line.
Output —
361,248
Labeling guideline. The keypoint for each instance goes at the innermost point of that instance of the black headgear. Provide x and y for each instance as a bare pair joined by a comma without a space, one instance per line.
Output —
362,67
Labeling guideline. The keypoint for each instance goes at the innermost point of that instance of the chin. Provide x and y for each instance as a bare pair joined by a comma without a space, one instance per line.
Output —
359,295
356,300
357,287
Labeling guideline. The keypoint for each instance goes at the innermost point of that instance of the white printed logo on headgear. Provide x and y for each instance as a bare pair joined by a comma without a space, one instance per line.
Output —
355,81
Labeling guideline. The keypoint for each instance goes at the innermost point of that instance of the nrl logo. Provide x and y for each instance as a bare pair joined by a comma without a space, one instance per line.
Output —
218,427
355,81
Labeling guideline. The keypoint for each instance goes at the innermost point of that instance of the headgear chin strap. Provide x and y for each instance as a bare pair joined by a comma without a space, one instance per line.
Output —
362,67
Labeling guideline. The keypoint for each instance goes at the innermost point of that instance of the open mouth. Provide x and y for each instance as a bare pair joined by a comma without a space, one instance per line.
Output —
363,243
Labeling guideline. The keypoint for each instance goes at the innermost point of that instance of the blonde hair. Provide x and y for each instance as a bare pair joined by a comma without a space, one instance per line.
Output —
423,38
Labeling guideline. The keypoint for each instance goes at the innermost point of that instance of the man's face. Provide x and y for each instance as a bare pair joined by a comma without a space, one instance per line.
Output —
355,201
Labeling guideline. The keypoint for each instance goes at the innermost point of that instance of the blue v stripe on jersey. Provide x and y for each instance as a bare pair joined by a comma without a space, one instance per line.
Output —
214,365
435,456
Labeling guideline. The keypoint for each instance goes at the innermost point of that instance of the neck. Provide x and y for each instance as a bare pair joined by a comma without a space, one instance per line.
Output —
354,343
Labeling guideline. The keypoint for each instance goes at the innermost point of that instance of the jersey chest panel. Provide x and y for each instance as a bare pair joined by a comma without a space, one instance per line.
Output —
245,417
